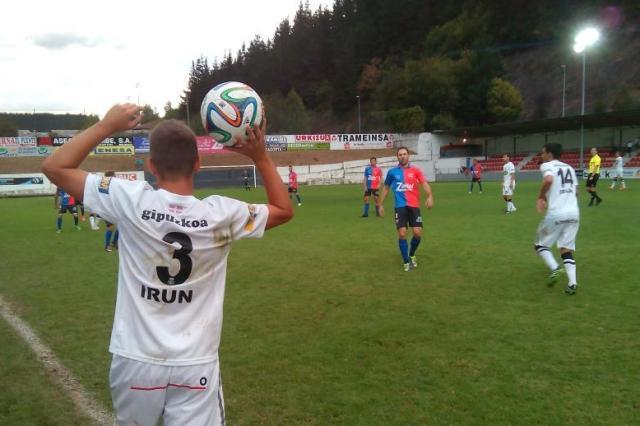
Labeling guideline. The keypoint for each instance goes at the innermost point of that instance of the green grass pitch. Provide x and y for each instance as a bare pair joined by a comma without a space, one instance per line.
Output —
322,326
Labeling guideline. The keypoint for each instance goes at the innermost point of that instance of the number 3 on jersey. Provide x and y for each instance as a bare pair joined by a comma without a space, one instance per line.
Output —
565,176
183,257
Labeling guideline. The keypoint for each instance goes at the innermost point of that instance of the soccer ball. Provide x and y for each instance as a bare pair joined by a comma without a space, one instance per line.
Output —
227,109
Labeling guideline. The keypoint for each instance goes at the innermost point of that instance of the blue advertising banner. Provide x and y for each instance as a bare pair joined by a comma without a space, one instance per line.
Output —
141,143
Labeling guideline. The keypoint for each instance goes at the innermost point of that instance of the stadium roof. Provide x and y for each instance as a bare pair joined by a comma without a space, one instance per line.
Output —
549,125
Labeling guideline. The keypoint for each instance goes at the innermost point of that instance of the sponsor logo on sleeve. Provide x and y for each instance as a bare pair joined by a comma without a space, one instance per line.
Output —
251,219
105,182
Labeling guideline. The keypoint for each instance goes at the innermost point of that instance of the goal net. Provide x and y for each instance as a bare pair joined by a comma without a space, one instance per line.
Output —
226,176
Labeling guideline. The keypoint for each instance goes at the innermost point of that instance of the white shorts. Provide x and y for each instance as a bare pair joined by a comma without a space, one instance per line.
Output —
617,174
144,393
561,231
506,189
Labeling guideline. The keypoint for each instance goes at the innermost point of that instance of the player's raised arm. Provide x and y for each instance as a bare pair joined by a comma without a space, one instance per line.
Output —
280,210
62,167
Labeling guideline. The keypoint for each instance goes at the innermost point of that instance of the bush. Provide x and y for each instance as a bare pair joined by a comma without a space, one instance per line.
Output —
406,120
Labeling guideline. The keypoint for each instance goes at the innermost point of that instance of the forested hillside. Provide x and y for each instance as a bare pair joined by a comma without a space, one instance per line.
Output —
429,64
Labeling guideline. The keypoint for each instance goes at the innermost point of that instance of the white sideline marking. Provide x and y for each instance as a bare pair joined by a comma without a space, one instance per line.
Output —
84,403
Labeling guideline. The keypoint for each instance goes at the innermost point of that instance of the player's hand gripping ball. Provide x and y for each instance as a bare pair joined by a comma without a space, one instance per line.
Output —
227,109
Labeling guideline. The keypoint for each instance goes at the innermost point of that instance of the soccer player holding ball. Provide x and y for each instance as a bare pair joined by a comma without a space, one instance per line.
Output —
172,270
405,181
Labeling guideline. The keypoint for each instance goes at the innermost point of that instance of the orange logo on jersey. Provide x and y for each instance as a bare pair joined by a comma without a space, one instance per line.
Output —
251,219
104,184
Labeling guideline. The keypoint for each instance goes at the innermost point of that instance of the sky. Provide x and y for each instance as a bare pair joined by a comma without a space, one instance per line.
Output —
84,56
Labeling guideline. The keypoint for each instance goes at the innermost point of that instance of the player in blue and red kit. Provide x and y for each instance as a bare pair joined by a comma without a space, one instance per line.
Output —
64,202
292,186
405,181
476,175
372,179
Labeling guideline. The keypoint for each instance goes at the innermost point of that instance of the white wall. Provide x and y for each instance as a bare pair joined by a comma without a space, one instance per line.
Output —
425,145
42,187
570,139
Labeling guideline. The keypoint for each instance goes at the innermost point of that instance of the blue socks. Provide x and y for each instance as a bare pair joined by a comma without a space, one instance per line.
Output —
404,250
59,223
415,242
366,209
107,238
115,237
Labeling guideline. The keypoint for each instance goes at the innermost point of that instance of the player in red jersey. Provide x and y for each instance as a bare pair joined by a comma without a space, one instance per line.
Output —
405,181
372,179
293,184
476,175
65,202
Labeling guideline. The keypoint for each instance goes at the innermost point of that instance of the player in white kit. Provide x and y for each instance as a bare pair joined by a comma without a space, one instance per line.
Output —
172,269
618,172
508,183
559,196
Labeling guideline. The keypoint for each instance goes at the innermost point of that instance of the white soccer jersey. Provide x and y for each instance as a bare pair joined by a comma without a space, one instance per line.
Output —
507,170
561,196
173,262
618,164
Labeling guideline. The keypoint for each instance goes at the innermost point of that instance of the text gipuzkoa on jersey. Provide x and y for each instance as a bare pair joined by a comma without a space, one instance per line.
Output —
166,217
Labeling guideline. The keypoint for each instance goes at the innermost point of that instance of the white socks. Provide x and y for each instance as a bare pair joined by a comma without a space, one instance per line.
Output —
570,267
547,257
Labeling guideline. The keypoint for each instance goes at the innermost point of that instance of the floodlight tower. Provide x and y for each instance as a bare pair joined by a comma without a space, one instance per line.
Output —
584,39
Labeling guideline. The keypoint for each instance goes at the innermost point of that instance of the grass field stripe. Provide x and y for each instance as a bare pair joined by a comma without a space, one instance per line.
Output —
83,402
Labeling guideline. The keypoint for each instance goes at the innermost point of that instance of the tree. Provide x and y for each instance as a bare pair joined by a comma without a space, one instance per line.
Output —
370,76
428,83
89,121
286,115
622,101
443,122
170,112
149,114
406,120
504,100
466,31
541,103
7,128
474,76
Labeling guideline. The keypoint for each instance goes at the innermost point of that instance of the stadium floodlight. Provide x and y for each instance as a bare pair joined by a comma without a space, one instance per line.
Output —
583,40
586,38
